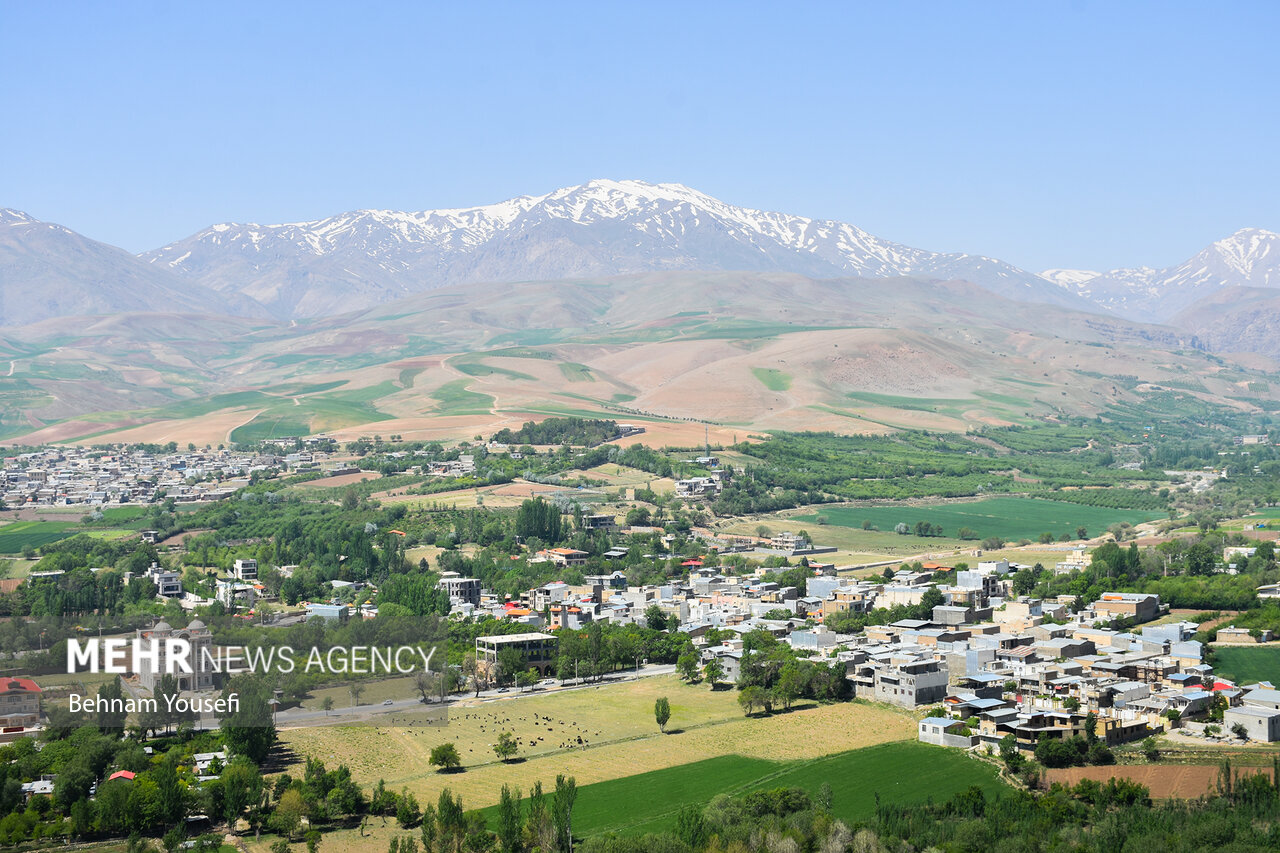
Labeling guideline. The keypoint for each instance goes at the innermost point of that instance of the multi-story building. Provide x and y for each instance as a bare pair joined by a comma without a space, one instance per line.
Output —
459,588
537,649
1139,606
19,706
564,556
152,641
910,682
168,583
607,523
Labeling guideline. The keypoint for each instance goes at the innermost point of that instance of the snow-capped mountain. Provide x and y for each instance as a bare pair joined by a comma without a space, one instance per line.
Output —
1069,278
48,270
367,257
1248,258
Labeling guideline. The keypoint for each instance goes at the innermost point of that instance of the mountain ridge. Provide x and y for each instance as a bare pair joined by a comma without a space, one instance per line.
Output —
1250,257
602,227
47,270
364,258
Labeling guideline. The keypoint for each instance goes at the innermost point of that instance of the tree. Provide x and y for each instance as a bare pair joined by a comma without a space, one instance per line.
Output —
687,665
506,747
451,823
1240,731
350,500
751,698
408,812
655,618
1200,559
288,813
241,788
249,730
713,672
357,690
510,664
1054,752
1009,753
932,598
327,705
509,820
662,712
1082,533
790,685
562,811
446,757
538,519
424,682
691,827
471,670
1150,750
1024,581
112,695
527,678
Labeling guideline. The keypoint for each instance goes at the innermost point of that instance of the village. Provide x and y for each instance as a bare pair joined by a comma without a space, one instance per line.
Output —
996,663
541,586
992,663
57,476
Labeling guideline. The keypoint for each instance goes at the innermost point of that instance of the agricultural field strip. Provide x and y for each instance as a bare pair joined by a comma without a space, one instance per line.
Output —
577,750
1006,517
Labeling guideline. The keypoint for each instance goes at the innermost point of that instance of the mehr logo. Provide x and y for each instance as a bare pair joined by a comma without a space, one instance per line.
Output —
173,655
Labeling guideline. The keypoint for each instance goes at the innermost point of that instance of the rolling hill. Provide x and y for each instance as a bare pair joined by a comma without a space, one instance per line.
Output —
743,351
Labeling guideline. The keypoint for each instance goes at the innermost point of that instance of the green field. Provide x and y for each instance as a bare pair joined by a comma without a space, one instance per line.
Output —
1011,519
13,537
479,367
304,415
575,372
1247,664
774,380
456,399
271,424
904,771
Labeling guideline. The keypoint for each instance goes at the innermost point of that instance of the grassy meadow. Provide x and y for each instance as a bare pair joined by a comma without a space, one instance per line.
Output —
618,732
1009,518
14,537
906,771
1247,664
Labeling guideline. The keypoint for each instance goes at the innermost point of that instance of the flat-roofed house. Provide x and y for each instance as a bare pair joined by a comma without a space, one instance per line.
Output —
537,649
1141,607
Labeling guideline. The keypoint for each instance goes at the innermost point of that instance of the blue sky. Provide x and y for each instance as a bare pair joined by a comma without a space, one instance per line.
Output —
1047,134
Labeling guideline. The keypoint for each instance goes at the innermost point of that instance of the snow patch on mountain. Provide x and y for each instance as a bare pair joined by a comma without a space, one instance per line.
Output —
603,227
1248,258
